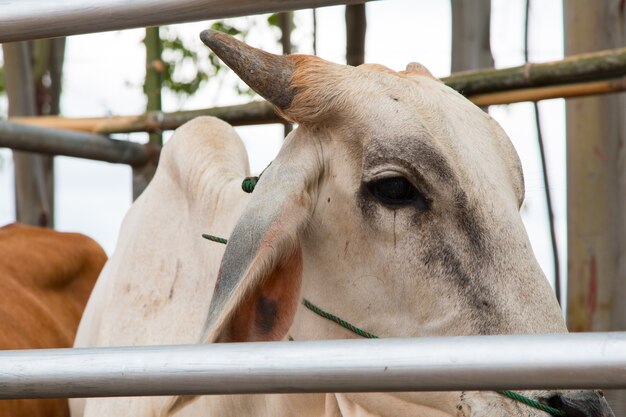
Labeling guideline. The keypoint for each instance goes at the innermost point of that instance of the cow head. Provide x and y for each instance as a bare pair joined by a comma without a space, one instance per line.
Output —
395,205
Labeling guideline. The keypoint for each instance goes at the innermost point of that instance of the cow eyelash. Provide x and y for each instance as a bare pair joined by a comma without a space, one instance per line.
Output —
398,192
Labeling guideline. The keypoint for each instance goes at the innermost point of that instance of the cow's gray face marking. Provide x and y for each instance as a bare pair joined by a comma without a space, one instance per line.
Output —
412,178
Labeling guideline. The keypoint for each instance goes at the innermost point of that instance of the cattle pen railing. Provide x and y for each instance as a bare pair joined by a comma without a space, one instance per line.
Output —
556,361
595,360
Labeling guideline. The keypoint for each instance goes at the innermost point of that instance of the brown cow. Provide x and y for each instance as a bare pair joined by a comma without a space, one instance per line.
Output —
45,280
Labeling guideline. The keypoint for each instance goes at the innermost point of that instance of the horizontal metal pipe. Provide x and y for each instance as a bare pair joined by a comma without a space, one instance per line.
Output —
25,20
70,143
589,360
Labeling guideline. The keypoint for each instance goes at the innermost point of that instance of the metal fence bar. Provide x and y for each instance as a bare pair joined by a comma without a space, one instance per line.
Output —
71,143
25,20
592,360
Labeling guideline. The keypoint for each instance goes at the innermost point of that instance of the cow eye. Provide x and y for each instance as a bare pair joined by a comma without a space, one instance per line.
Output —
397,191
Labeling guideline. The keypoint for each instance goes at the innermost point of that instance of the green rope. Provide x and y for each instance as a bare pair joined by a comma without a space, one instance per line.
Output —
337,320
510,394
214,238
532,403
248,185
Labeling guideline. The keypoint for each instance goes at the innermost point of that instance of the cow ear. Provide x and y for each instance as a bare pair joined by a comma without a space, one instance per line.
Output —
258,286
415,69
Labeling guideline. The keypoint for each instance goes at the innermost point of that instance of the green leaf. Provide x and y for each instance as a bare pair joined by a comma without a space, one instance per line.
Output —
226,28
274,20
244,90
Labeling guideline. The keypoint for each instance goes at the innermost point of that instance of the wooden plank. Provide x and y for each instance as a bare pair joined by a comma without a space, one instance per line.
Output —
588,67
256,112
262,112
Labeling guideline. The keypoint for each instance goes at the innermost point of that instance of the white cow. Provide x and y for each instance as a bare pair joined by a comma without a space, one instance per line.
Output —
394,205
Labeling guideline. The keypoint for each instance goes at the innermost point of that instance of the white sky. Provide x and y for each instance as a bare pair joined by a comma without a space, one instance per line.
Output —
104,75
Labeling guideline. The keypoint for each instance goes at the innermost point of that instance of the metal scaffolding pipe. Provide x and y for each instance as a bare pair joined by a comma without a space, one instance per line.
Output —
71,143
592,360
24,20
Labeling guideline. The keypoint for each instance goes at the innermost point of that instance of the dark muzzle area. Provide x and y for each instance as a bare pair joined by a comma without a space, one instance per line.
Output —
583,404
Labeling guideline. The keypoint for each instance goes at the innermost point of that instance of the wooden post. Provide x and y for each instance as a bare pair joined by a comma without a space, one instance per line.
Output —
152,89
314,12
47,68
285,21
33,180
471,49
596,184
356,27
154,76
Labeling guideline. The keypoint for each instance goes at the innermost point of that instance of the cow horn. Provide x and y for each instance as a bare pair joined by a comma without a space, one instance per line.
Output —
267,74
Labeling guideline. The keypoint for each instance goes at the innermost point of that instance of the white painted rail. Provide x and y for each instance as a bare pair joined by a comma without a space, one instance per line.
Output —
34,19
589,360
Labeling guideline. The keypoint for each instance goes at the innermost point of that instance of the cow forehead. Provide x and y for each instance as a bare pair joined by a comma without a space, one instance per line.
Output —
418,118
